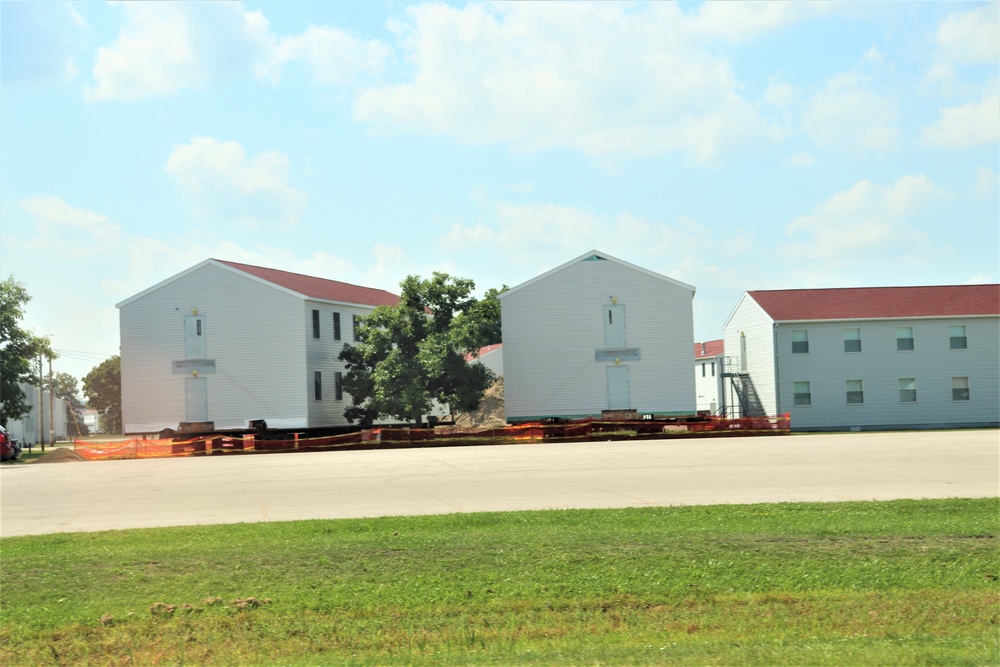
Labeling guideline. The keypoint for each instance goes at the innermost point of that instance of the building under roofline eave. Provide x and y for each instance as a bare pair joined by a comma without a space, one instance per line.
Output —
869,357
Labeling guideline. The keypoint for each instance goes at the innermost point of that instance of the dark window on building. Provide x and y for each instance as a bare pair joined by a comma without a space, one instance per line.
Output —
713,369
852,340
318,385
802,393
703,371
960,389
800,341
904,338
354,319
958,339
315,324
338,386
855,392
336,326
907,390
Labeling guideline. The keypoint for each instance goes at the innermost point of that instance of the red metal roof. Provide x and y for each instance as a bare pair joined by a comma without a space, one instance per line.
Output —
483,351
710,348
856,303
318,288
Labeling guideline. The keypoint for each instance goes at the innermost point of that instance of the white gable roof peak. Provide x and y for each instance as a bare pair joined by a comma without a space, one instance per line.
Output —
597,255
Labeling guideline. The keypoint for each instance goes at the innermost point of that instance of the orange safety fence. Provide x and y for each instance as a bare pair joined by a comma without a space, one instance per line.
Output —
388,438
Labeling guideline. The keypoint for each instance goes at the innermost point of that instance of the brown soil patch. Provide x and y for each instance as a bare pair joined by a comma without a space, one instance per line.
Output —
60,455
490,413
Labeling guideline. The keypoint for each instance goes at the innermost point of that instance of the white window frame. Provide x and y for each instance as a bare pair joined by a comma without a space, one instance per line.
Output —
902,346
907,390
960,389
801,398
960,342
852,336
855,389
800,341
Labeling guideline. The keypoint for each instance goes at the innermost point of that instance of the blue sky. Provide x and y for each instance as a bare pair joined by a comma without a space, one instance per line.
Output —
730,146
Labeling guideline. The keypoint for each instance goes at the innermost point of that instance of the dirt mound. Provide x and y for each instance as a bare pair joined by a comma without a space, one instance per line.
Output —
490,413
60,455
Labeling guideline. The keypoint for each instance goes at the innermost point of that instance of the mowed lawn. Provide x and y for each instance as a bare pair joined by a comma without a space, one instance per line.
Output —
877,583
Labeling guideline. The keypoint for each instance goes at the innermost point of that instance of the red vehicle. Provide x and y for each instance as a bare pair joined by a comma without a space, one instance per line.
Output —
9,449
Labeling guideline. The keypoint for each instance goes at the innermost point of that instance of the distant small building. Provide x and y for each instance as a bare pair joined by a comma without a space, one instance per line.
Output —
597,334
710,392
28,430
869,357
490,356
228,345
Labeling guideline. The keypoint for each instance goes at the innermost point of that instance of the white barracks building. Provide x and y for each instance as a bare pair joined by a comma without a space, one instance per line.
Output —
869,358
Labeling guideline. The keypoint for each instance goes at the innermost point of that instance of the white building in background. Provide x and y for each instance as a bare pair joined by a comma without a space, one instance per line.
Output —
490,356
870,358
222,345
709,358
597,334
26,429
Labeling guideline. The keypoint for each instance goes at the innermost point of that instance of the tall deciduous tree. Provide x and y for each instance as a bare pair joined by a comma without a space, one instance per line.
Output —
413,354
19,350
65,386
103,389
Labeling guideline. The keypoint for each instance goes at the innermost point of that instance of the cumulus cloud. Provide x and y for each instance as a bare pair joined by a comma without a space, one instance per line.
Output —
598,78
223,182
332,57
848,115
966,125
167,47
738,21
866,222
68,230
971,36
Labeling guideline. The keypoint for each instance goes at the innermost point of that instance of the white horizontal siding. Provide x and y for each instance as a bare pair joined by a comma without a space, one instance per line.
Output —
750,321
253,332
553,327
880,366
322,355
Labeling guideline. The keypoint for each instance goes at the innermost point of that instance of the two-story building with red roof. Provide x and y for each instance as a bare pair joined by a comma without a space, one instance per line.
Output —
869,357
224,344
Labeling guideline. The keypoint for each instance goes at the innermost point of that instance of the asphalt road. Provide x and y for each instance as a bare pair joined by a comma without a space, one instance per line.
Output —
89,496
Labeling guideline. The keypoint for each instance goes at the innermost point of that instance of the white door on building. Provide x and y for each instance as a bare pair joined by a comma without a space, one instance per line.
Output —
194,337
618,398
614,326
196,399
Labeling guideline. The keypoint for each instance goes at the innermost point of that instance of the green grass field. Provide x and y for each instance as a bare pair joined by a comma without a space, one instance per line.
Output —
900,583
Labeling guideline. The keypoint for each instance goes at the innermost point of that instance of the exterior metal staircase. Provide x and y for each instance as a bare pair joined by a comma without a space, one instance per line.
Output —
746,393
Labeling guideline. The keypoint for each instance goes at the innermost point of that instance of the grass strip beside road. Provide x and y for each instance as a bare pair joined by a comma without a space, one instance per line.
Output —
901,582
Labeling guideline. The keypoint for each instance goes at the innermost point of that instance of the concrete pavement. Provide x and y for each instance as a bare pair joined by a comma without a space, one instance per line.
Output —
89,496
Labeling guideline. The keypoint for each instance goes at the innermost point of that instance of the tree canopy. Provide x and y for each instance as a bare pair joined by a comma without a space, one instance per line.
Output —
65,386
103,389
413,354
19,349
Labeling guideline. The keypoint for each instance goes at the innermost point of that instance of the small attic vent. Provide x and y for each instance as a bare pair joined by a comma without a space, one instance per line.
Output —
595,258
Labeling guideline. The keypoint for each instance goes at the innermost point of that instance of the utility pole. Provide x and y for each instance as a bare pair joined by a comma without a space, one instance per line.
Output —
52,407
41,406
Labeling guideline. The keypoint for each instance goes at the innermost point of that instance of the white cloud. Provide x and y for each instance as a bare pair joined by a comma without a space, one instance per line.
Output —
971,36
986,182
966,125
847,115
863,224
223,182
738,21
69,231
332,56
602,79
165,47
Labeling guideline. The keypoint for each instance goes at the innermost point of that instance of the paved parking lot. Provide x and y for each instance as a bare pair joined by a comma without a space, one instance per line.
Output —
88,496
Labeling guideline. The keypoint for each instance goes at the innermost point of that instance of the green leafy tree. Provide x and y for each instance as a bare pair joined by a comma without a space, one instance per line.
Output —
103,389
65,386
19,351
413,354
